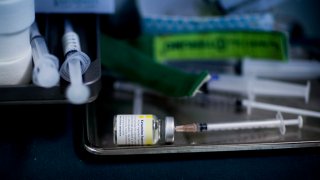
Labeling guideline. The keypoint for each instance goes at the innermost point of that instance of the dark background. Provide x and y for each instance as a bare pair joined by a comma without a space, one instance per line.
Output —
49,146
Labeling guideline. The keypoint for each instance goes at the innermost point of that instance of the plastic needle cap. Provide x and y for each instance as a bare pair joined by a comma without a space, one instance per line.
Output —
77,92
45,72
74,66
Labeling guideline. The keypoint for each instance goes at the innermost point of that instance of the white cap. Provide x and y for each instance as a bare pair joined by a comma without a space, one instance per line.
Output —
46,73
16,15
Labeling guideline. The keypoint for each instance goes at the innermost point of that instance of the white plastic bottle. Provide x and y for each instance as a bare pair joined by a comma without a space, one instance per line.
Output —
143,129
16,17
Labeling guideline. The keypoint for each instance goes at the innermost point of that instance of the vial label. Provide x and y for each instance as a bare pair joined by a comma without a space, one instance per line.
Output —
134,129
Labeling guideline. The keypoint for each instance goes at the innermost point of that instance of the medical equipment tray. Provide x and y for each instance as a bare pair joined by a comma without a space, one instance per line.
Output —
97,131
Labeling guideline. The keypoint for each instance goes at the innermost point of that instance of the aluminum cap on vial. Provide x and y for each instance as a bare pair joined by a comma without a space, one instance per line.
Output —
169,130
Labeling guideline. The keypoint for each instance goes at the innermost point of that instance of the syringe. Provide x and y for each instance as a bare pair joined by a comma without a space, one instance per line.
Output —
74,66
278,122
45,71
250,104
252,86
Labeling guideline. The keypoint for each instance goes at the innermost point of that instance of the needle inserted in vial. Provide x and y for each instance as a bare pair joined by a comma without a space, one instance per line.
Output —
278,122
45,72
74,66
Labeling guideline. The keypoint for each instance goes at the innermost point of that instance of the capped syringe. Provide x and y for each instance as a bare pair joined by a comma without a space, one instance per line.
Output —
250,104
45,71
278,122
253,86
294,69
75,64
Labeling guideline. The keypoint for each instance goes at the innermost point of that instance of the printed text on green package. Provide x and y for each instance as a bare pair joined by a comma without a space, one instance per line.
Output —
221,45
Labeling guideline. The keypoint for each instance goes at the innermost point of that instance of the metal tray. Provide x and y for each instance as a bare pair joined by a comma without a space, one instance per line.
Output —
98,136
51,27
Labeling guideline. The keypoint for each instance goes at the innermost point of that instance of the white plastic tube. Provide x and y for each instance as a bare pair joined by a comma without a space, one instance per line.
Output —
291,70
279,122
277,108
251,87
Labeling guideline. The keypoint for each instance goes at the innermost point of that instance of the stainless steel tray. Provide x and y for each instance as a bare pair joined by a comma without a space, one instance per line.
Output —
98,137
51,27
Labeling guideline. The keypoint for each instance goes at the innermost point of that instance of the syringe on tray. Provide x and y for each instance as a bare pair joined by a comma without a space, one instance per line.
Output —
252,86
278,122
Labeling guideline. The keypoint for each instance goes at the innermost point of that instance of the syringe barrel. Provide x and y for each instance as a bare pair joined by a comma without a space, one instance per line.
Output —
272,107
273,123
243,125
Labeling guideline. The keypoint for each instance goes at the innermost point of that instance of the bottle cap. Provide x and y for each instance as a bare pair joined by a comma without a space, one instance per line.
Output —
169,130
16,15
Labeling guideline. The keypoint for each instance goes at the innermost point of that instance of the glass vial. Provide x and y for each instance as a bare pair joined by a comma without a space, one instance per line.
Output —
142,129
